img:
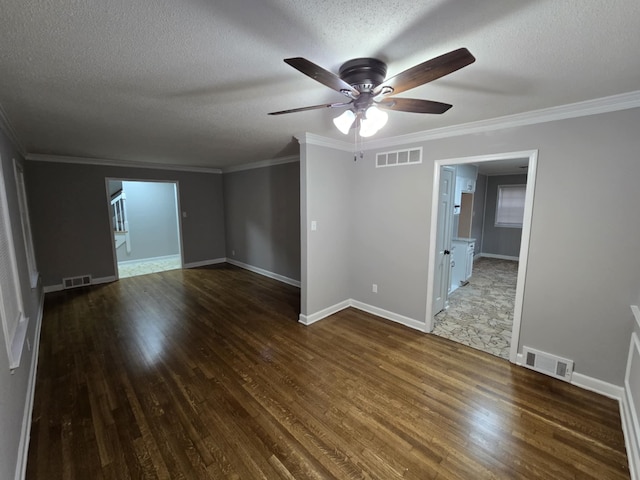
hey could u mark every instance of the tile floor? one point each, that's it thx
(480, 314)
(152, 265)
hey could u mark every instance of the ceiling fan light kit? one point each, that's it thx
(374, 119)
(363, 81)
(344, 121)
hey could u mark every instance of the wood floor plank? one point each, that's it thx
(206, 374)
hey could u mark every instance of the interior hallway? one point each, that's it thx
(480, 314)
(148, 265)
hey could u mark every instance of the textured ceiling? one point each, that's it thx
(191, 82)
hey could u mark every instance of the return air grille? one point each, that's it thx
(399, 157)
(548, 364)
(73, 282)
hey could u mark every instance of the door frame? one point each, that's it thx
(532, 155)
(176, 183)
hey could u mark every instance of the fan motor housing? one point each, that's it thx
(363, 74)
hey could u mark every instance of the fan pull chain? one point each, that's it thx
(355, 146)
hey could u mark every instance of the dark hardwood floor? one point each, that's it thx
(206, 374)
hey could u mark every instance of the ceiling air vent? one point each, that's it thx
(548, 364)
(399, 157)
(74, 282)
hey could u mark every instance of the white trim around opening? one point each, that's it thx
(532, 155)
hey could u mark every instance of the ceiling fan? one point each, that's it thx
(363, 81)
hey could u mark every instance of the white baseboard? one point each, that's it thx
(394, 317)
(99, 280)
(588, 383)
(25, 434)
(204, 263)
(266, 273)
(499, 257)
(324, 313)
(598, 386)
(630, 427)
(94, 281)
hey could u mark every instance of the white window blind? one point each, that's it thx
(14, 324)
(510, 205)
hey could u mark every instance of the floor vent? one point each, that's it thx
(73, 282)
(548, 364)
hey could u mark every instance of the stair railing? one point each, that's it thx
(120, 222)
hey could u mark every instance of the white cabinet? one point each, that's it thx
(457, 264)
(466, 176)
(468, 271)
(462, 253)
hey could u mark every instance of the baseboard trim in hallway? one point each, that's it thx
(266, 273)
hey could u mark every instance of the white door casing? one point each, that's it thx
(532, 156)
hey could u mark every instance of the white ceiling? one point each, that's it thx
(191, 82)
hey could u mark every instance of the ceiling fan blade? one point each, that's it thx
(314, 107)
(323, 76)
(414, 105)
(428, 71)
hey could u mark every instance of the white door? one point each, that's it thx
(443, 239)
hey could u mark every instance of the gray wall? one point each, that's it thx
(500, 240)
(390, 223)
(153, 220)
(262, 218)
(72, 224)
(14, 388)
(477, 224)
(326, 196)
(582, 273)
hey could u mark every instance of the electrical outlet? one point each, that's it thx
(233, 253)
(374, 288)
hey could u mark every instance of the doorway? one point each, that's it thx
(146, 226)
(494, 162)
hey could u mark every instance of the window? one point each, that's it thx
(12, 316)
(510, 205)
(26, 225)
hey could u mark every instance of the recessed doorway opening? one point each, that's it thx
(146, 226)
(478, 264)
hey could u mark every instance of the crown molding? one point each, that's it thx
(313, 139)
(37, 157)
(613, 103)
(262, 163)
(6, 127)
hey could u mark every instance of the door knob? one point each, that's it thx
(447, 252)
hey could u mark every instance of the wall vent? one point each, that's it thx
(548, 364)
(73, 282)
(399, 157)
